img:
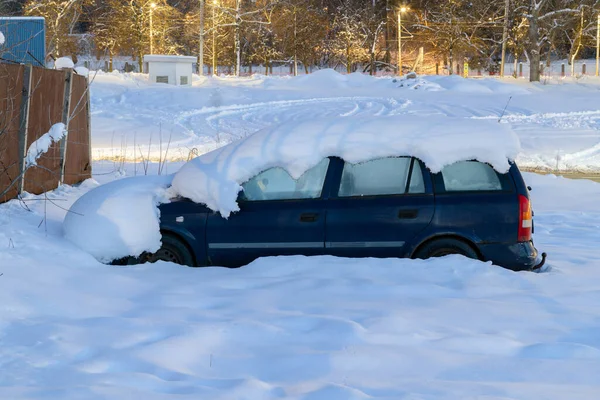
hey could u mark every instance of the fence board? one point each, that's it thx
(11, 83)
(78, 164)
(45, 110)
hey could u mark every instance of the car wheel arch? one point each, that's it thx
(432, 239)
(183, 240)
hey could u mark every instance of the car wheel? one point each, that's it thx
(172, 250)
(444, 247)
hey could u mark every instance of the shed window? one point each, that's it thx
(162, 79)
(183, 80)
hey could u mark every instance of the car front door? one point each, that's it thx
(378, 208)
(278, 216)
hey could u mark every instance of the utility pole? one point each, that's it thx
(598, 46)
(504, 37)
(400, 11)
(201, 46)
(214, 39)
(152, 7)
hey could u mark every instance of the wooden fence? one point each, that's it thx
(32, 99)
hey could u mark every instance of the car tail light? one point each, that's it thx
(525, 219)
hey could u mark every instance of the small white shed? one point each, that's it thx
(174, 70)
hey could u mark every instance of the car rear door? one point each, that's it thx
(475, 201)
(377, 208)
(278, 216)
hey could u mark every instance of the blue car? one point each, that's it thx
(387, 207)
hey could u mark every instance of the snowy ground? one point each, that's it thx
(558, 123)
(301, 328)
(308, 328)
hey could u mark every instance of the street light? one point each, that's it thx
(214, 39)
(401, 11)
(598, 47)
(152, 7)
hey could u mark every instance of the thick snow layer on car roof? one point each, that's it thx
(214, 179)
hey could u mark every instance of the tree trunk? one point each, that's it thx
(348, 60)
(201, 37)
(451, 61)
(237, 40)
(295, 44)
(533, 46)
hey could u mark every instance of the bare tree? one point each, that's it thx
(61, 17)
(242, 13)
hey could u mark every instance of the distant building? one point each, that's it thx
(173, 70)
(25, 40)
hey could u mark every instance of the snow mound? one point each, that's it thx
(63, 63)
(118, 219)
(459, 84)
(2, 40)
(325, 78)
(83, 71)
(418, 83)
(214, 179)
(41, 145)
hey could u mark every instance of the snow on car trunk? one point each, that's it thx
(214, 179)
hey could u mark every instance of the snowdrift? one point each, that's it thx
(119, 218)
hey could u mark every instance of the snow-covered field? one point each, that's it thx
(308, 328)
(558, 123)
(302, 328)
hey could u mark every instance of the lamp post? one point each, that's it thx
(400, 12)
(214, 39)
(152, 7)
(504, 37)
(598, 47)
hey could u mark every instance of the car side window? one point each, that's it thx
(383, 176)
(466, 176)
(277, 184)
(417, 184)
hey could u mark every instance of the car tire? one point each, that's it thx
(172, 250)
(444, 247)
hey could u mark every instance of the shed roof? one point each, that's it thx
(169, 59)
(22, 18)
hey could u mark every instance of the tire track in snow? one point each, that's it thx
(242, 120)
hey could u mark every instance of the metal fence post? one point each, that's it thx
(521, 70)
(24, 123)
(65, 120)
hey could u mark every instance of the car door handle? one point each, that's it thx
(408, 214)
(309, 217)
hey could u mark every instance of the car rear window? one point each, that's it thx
(468, 176)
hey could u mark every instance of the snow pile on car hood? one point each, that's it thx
(214, 179)
(119, 218)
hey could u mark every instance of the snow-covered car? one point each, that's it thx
(402, 186)
(386, 207)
